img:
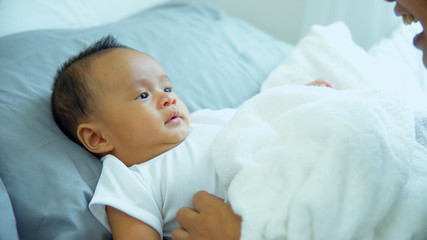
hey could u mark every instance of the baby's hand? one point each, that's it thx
(320, 83)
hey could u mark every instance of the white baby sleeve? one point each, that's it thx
(120, 188)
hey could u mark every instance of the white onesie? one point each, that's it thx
(155, 190)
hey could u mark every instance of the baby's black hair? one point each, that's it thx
(71, 92)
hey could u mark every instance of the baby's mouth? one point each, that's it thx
(174, 116)
(409, 19)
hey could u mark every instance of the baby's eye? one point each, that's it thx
(143, 95)
(168, 89)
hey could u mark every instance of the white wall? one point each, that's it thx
(289, 20)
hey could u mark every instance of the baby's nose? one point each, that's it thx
(167, 100)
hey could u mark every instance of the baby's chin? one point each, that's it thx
(181, 135)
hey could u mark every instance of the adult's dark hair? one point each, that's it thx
(71, 91)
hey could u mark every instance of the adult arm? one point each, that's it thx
(211, 219)
(126, 227)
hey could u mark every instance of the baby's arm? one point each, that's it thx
(126, 227)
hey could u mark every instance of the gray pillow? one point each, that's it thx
(7, 218)
(214, 61)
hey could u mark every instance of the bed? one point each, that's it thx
(215, 61)
(46, 180)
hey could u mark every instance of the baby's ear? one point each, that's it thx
(90, 135)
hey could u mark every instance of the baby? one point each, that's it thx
(119, 104)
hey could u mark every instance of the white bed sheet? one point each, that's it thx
(398, 51)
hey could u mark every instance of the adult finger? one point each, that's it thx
(180, 234)
(186, 217)
(202, 199)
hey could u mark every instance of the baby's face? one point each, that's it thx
(136, 106)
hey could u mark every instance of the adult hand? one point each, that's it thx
(211, 218)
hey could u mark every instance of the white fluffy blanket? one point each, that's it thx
(324, 164)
